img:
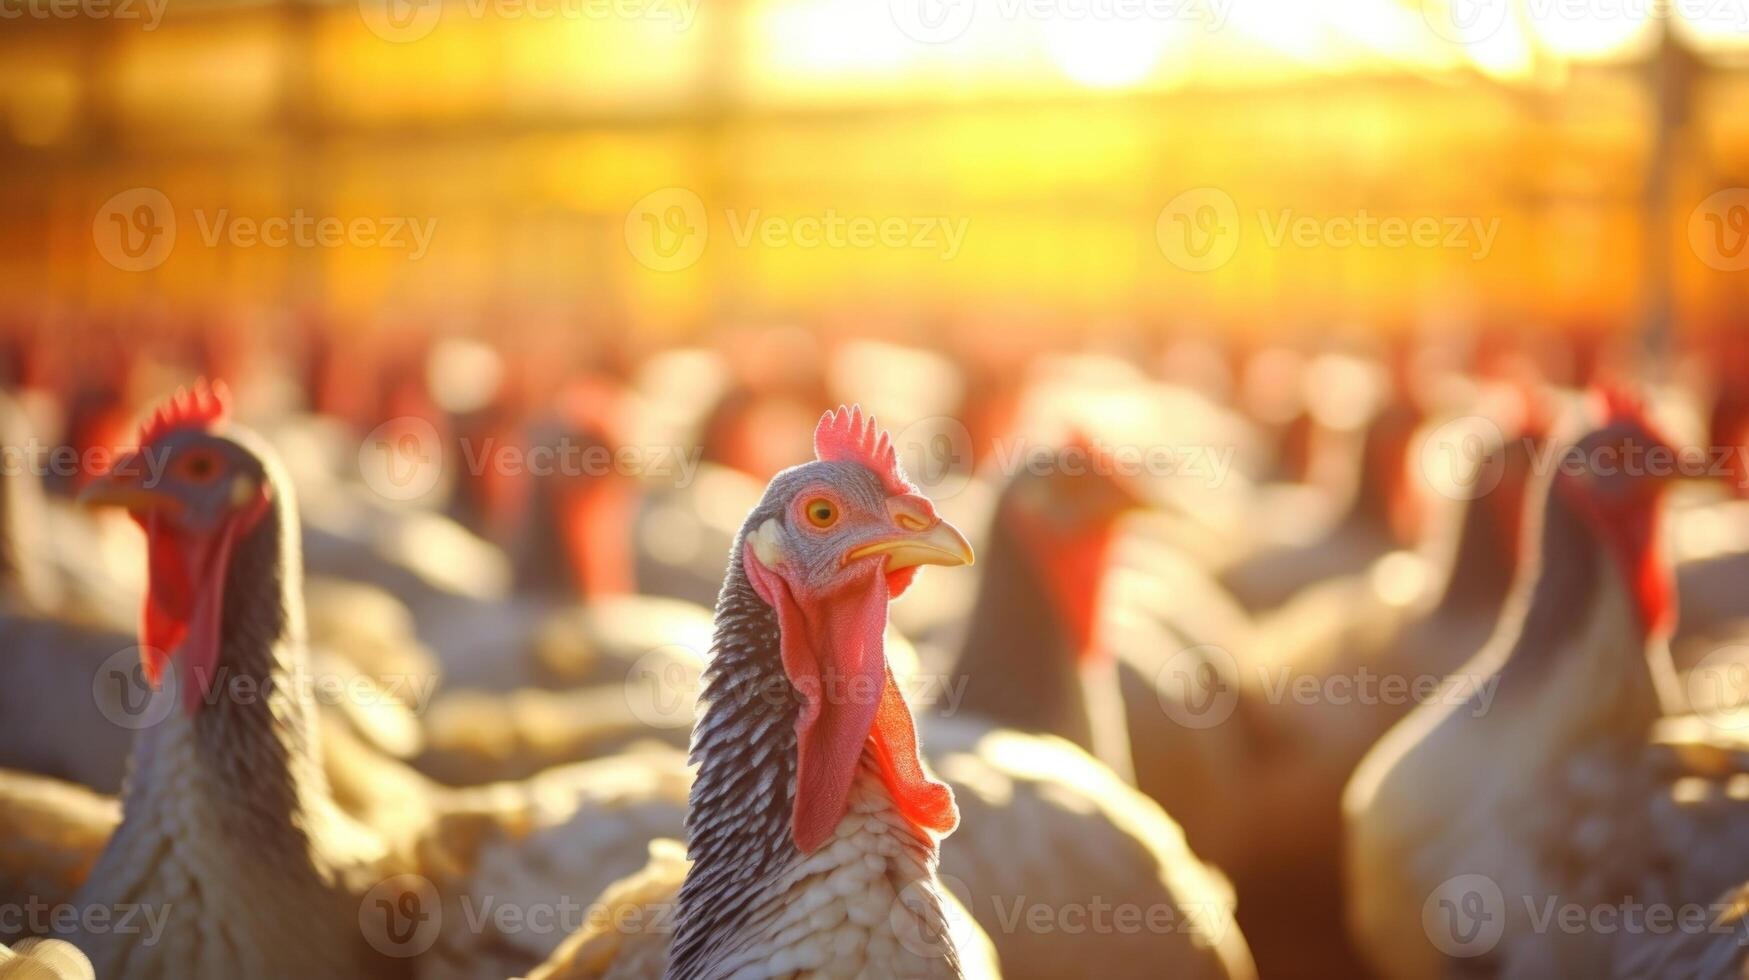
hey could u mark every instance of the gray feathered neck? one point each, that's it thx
(744, 744)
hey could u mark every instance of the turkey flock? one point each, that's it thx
(422, 654)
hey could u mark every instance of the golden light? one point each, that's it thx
(1713, 26)
(1504, 53)
(1109, 52)
(1611, 31)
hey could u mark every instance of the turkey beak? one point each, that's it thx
(124, 486)
(929, 541)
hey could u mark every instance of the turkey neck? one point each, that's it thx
(1479, 571)
(1579, 653)
(1370, 506)
(745, 865)
(242, 763)
(738, 813)
(1016, 663)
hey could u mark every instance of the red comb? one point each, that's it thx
(847, 434)
(198, 408)
(1618, 403)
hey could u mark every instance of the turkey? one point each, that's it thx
(813, 827)
(1570, 788)
(1377, 512)
(225, 792)
(233, 786)
(1046, 824)
(1228, 740)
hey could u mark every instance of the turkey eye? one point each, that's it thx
(198, 466)
(821, 512)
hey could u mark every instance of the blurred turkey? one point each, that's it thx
(1575, 790)
(78, 685)
(228, 789)
(1250, 746)
(1362, 429)
(1047, 824)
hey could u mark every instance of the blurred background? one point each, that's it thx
(1281, 233)
(527, 131)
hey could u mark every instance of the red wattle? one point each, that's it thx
(184, 603)
(1072, 565)
(1638, 547)
(833, 651)
(596, 519)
